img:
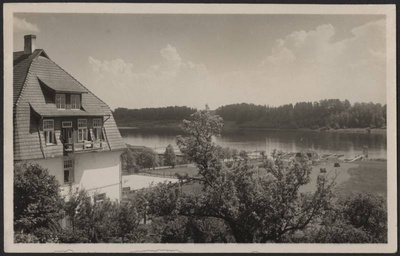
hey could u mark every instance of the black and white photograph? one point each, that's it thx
(199, 128)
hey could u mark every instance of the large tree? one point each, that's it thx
(37, 201)
(257, 205)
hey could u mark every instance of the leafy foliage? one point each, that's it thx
(369, 213)
(195, 230)
(170, 157)
(147, 158)
(360, 218)
(105, 222)
(133, 160)
(37, 202)
(128, 161)
(198, 147)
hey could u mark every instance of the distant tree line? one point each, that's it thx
(159, 114)
(323, 114)
(330, 113)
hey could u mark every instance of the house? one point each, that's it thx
(62, 126)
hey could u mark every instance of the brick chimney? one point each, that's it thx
(29, 44)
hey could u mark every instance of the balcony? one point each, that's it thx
(83, 146)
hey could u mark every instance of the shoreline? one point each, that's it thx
(127, 128)
(347, 130)
(230, 129)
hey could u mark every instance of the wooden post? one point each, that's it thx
(365, 151)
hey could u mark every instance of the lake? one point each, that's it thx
(349, 144)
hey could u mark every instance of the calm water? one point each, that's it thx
(349, 144)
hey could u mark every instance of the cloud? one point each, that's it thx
(21, 25)
(171, 81)
(302, 66)
(308, 65)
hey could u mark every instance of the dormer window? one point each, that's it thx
(75, 101)
(60, 101)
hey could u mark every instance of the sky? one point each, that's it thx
(158, 60)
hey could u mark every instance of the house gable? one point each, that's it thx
(33, 103)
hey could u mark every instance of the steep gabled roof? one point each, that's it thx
(57, 79)
(21, 64)
(30, 102)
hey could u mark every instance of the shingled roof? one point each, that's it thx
(32, 70)
(21, 63)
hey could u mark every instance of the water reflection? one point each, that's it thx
(349, 144)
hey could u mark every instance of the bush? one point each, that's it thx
(135, 159)
(147, 158)
(369, 213)
(360, 218)
(105, 222)
(20, 237)
(37, 202)
(128, 161)
(170, 157)
(174, 231)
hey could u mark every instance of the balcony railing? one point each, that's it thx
(83, 146)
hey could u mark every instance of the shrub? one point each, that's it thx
(37, 201)
(170, 157)
(360, 218)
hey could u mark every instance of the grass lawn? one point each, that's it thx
(368, 177)
(341, 174)
(361, 176)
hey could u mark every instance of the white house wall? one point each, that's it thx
(96, 172)
(99, 173)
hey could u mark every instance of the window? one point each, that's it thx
(98, 198)
(60, 101)
(67, 124)
(75, 101)
(97, 128)
(66, 132)
(48, 129)
(82, 129)
(68, 171)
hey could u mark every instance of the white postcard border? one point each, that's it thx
(388, 10)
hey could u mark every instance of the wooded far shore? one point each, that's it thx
(331, 115)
